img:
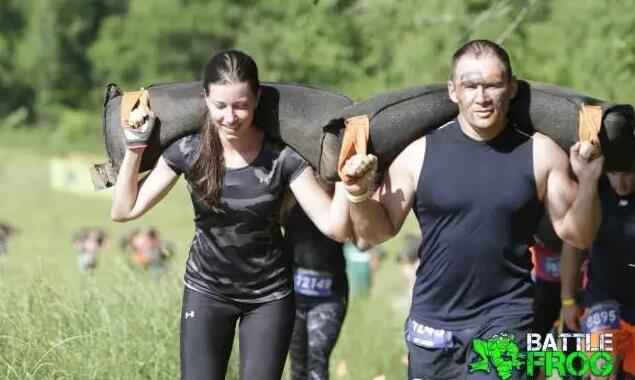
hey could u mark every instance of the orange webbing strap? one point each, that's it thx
(129, 100)
(355, 141)
(589, 123)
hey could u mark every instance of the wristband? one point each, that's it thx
(358, 198)
(136, 147)
(569, 301)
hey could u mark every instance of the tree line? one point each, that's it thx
(56, 56)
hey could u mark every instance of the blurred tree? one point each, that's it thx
(299, 41)
(406, 44)
(57, 55)
(50, 57)
(586, 45)
(15, 93)
(162, 41)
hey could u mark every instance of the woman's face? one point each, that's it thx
(231, 108)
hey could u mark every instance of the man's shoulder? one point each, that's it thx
(544, 141)
(413, 153)
(548, 155)
(546, 147)
(409, 162)
(417, 145)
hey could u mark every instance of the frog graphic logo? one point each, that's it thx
(501, 352)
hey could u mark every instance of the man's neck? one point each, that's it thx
(481, 134)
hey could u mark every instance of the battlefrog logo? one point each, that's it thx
(501, 351)
(503, 355)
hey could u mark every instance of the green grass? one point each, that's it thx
(57, 322)
(45, 141)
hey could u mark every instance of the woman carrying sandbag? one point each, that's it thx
(237, 269)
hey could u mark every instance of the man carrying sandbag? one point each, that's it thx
(478, 187)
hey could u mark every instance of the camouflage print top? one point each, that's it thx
(237, 252)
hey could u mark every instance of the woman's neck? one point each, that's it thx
(244, 150)
(250, 141)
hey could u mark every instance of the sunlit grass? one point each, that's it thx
(57, 322)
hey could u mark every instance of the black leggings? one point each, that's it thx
(207, 334)
(546, 305)
(317, 326)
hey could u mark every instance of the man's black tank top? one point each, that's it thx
(477, 206)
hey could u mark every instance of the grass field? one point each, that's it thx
(57, 322)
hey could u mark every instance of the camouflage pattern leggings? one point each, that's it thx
(317, 326)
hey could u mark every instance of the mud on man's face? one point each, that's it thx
(482, 89)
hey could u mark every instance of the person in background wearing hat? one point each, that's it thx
(321, 292)
(609, 296)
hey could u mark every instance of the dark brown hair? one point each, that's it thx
(225, 67)
(478, 48)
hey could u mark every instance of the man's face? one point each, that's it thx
(481, 90)
(623, 183)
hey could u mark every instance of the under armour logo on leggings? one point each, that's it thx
(189, 314)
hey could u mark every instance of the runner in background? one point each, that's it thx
(146, 248)
(87, 243)
(608, 300)
(321, 294)
(6, 230)
(408, 259)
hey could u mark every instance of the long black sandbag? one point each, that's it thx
(398, 118)
(292, 113)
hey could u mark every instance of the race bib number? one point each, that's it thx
(552, 266)
(426, 336)
(602, 316)
(312, 283)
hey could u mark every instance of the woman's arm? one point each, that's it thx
(132, 198)
(330, 216)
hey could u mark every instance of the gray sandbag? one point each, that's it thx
(398, 118)
(553, 111)
(294, 114)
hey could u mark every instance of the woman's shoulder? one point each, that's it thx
(279, 150)
(189, 140)
(181, 153)
(185, 145)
